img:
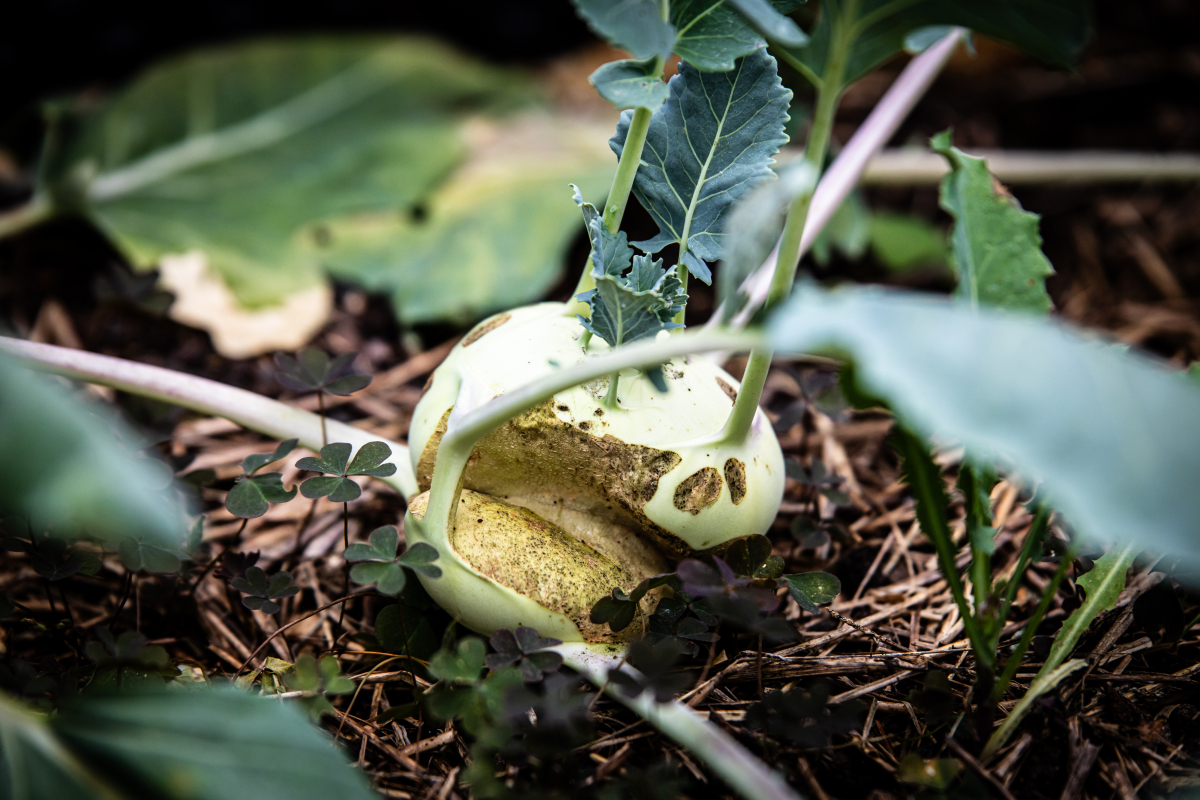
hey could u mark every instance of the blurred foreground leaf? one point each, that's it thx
(1111, 433)
(65, 470)
(203, 744)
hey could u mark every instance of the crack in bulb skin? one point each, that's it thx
(574, 498)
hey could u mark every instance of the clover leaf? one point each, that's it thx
(521, 647)
(127, 650)
(51, 558)
(380, 565)
(813, 589)
(317, 679)
(138, 554)
(655, 663)
(250, 496)
(311, 370)
(261, 592)
(461, 665)
(619, 608)
(335, 483)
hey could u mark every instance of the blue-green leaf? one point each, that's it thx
(636, 306)
(712, 35)
(770, 23)
(1111, 434)
(634, 25)
(711, 143)
(67, 471)
(630, 84)
(997, 251)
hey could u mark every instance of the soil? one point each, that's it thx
(1127, 261)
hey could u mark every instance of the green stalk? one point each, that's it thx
(925, 480)
(828, 93)
(1033, 543)
(618, 198)
(1039, 613)
(37, 210)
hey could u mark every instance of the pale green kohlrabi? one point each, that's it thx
(574, 498)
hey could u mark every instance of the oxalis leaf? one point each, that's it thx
(708, 145)
(1052, 30)
(626, 307)
(997, 252)
(1110, 433)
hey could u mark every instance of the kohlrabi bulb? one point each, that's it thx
(574, 498)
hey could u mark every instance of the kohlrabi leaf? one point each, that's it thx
(205, 744)
(1102, 584)
(634, 25)
(1110, 434)
(904, 242)
(770, 23)
(492, 236)
(634, 306)
(611, 253)
(708, 145)
(630, 84)
(67, 471)
(995, 245)
(712, 35)
(231, 149)
(1052, 30)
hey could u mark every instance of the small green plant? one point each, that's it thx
(379, 562)
(311, 370)
(261, 592)
(253, 493)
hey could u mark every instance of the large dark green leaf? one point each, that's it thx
(997, 251)
(1110, 433)
(231, 149)
(708, 145)
(1052, 30)
(202, 744)
(65, 470)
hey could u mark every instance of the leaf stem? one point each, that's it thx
(271, 417)
(38, 209)
(618, 198)
(1039, 613)
(610, 399)
(737, 427)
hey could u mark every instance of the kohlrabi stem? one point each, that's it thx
(737, 427)
(271, 417)
(610, 399)
(38, 209)
(748, 776)
(618, 198)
